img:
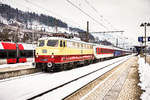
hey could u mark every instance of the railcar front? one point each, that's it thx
(7, 53)
(11, 52)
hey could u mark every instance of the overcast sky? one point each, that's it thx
(108, 15)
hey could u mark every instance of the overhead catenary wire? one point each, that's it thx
(101, 16)
(87, 14)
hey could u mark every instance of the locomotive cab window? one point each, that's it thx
(53, 43)
(41, 43)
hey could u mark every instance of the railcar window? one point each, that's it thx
(22, 53)
(3, 54)
(29, 53)
(12, 54)
(26, 53)
(53, 43)
(41, 43)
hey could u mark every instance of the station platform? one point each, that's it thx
(121, 83)
(13, 70)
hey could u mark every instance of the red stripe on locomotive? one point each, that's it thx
(63, 58)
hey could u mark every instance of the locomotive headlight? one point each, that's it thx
(37, 55)
(52, 55)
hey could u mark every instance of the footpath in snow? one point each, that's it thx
(144, 73)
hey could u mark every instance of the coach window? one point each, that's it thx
(3, 54)
(53, 43)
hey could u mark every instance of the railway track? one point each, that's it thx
(48, 92)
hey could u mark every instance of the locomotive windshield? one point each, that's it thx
(53, 43)
(41, 43)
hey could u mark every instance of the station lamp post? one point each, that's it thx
(144, 25)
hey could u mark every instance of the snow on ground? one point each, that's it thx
(144, 73)
(15, 65)
(27, 87)
(70, 88)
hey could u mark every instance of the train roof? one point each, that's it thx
(7, 45)
(94, 44)
(12, 46)
(27, 46)
(60, 38)
(104, 46)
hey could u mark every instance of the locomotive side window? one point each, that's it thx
(61, 43)
(53, 43)
(64, 44)
(41, 43)
(3, 54)
(70, 44)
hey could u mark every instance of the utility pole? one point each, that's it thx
(87, 32)
(16, 40)
(144, 25)
(56, 26)
(117, 42)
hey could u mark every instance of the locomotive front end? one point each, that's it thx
(46, 53)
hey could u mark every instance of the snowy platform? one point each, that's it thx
(12, 70)
(30, 85)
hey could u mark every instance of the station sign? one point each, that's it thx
(140, 39)
(148, 38)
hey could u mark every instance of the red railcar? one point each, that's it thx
(15, 52)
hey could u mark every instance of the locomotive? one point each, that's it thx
(57, 53)
(11, 52)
